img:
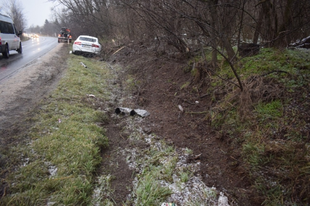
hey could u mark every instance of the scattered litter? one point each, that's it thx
(223, 200)
(140, 112)
(197, 102)
(131, 112)
(168, 204)
(181, 108)
(59, 121)
(70, 52)
(122, 110)
(52, 170)
(91, 95)
(83, 64)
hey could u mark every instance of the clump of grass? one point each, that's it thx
(149, 191)
(66, 135)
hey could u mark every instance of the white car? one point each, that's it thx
(86, 44)
(9, 37)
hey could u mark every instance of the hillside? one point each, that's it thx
(253, 144)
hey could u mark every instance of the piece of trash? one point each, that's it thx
(91, 95)
(83, 64)
(70, 52)
(223, 200)
(181, 108)
(197, 102)
(59, 120)
(140, 112)
(168, 204)
(122, 110)
(131, 112)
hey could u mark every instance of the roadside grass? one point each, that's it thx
(268, 122)
(58, 164)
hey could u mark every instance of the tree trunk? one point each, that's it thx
(258, 26)
(213, 12)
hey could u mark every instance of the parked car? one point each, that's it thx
(86, 45)
(9, 37)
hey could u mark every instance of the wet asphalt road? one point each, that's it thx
(33, 49)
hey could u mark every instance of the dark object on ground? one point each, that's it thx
(64, 35)
(248, 49)
(131, 112)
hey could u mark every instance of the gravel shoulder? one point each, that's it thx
(21, 92)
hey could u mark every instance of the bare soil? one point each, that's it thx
(161, 90)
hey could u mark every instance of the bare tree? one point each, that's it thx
(16, 13)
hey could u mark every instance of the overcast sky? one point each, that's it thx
(36, 11)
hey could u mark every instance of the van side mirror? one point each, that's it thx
(19, 33)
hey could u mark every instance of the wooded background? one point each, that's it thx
(186, 25)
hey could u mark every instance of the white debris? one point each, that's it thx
(223, 200)
(83, 64)
(141, 112)
(181, 108)
(52, 170)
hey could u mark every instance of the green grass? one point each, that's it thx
(272, 134)
(66, 137)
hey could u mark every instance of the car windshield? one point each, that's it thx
(87, 39)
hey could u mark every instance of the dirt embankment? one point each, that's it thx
(178, 114)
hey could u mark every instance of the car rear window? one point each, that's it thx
(87, 39)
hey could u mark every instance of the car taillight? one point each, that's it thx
(77, 42)
(95, 45)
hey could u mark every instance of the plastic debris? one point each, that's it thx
(140, 112)
(122, 110)
(168, 204)
(181, 108)
(59, 120)
(223, 200)
(83, 64)
(91, 95)
(131, 112)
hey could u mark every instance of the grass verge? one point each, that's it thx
(58, 164)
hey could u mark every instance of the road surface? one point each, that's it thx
(33, 49)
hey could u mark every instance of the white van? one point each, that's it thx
(9, 38)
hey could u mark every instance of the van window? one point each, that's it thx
(3, 27)
(10, 28)
(6, 27)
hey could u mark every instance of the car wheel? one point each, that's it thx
(20, 50)
(6, 53)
